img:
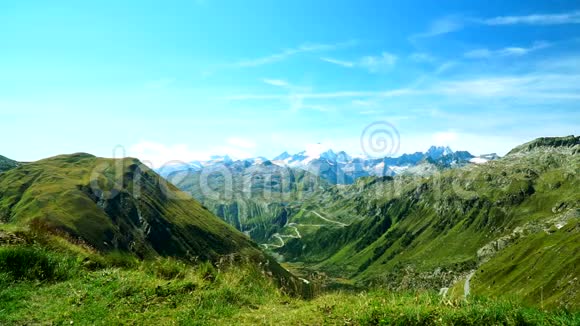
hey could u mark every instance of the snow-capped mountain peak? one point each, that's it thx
(329, 155)
(342, 168)
(436, 152)
(343, 157)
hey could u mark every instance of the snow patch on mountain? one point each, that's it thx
(342, 168)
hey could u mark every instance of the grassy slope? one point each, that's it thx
(423, 233)
(92, 205)
(113, 204)
(167, 291)
(541, 269)
(568, 141)
(7, 164)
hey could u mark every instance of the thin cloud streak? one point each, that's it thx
(536, 19)
(451, 24)
(374, 64)
(441, 26)
(506, 52)
(532, 86)
(343, 63)
(422, 57)
(304, 48)
(276, 82)
(326, 95)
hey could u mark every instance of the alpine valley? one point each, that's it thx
(260, 196)
(439, 220)
(439, 237)
(205, 162)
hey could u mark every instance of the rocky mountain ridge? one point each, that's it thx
(340, 167)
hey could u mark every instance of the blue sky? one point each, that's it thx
(182, 80)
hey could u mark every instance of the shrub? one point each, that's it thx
(207, 271)
(167, 268)
(31, 263)
(121, 260)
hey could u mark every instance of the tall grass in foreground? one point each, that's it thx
(44, 287)
(34, 263)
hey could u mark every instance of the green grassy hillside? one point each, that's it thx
(113, 205)
(552, 142)
(430, 232)
(7, 164)
(58, 288)
(257, 200)
(104, 206)
(542, 268)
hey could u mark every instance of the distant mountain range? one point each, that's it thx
(257, 195)
(342, 168)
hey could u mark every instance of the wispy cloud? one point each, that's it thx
(374, 64)
(285, 54)
(445, 66)
(343, 63)
(506, 52)
(323, 95)
(422, 57)
(276, 82)
(442, 26)
(536, 19)
(379, 63)
(444, 138)
(451, 24)
(529, 86)
(295, 96)
(363, 103)
(157, 155)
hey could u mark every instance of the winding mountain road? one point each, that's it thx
(281, 237)
(331, 221)
(298, 236)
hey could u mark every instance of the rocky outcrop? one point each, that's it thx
(571, 141)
